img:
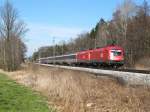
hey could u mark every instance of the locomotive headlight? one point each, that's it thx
(111, 55)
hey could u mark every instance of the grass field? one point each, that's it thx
(74, 91)
(17, 98)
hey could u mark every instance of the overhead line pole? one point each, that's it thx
(39, 56)
(54, 50)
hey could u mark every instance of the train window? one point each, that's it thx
(70, 57)
(65, 57)
(116, 52)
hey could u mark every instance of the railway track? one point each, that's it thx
(125, 76)
(118, 69)
(131, 70)
(111, 69)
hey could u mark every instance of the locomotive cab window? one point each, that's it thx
(116, 52)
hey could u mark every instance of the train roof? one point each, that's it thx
(114, 47)
(101, 48)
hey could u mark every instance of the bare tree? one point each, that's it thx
(124, 12)
(11, 30)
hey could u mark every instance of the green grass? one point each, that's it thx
(17, 98)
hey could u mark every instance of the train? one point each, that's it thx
(108, 56)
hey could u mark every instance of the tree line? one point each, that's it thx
(129, 28)
(12, 30)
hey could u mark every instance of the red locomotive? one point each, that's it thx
(106, 56)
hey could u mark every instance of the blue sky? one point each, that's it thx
(62, 19)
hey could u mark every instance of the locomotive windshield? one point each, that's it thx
(116, 52)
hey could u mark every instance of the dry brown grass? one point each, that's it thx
(143, 63)
(73, 91)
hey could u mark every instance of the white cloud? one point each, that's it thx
(56, 31)
(41, 35)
